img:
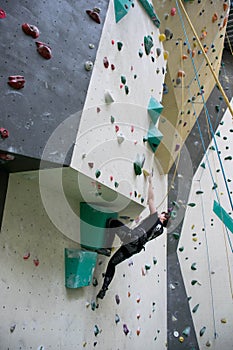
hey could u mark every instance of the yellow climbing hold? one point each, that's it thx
(165, 55)
(181, 339)
(162, 37)
(223, 320)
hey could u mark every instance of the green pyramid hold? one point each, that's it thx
(121, 8)
(154, 109)
(154, 137)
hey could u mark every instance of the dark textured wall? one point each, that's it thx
(54, 88)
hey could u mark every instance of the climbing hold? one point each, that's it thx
(138, 331)
(117, 128)
(154, 261)
(147, 267)
(119, 45)
(148, 44)
(138, 164)
(150, 11)
(44, 50)
(176, 235)
(184, 57)
(26, 256)
(4, 133)
(117, 298)
(181, 249)
(94, 14)
(126, 89)
(162, 37)
(145, 172)
(168, 33)
(154, 137)
(177, 147)
(30, 30)
(93, 305)
(195, 308)
(214, 17)
(223, 320)
(193, 282)
(191, 204)
(36, 262)
(228, 158)
(138, 299)
(113, 66)
(173, 11)
(123, 79)
(208, 343)
(97, 173)
(12, 328)
(212, 148)
(181, 74)
(117, 318)
(158, 51)
(96, 330)
(181, 339)
(203, 165)
(202, 331)
(225, 6)
(186, 331)
(16, 81)
(154, 109)
(214, 186)
(91, 164)
(140, 52)
(105, 62)
(89, 65)
(108, 97)
(2, 14)
(125, 329)
(116, 184)
(194, 266)
(112, 119)
(165, 55)
(91, 46)
(199, 192)
(120, 138)
(95, 282)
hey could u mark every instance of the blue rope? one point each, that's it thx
(205, 108)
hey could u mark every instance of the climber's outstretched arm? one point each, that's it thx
(151, 200)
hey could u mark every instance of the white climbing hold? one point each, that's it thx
(120, 138)
(108, 97)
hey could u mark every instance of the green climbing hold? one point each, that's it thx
(126, 89)
(173, 214)
(142, 200)
(193, 282)
(154, 109)
(191, 205)
(181, 249)
(121, 8)
(212, 148)
(203, 165)
(138, 164)
(97, 173)
(154, 260)
(96, 330)
(147, 267)
(116, 184)
(176, 204)
(176, 235)
(150, 11)
(218, 133)
(119, 45)
(214, 186)
(186, 331)
(123, 79)
(228, 158)
(148, 43)
(217, 108)
(112, 119)
(194, 266)
(195, 308)
(202, 331)
(199, 192)
(154, 137)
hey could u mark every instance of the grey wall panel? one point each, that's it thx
(54, 88)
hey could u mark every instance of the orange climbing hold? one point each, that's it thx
(181, 74)
(225, 6)
(214, 17)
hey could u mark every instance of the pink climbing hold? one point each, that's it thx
(2, 13)
(132, 128)
(117, 128)
(4, 133)
(111, 178)
(173, 11)
(44, 50)
(36, 262)
(31, 30)
(106, 63)
(26, 256)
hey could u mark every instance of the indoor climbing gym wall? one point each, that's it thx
(193, 34)
(206, 245)
(105, 131)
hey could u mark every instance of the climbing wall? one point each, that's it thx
(39, 312)
(129, 70)
(189, 81)
(206, 245)
(44, 50)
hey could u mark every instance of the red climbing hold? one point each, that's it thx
(4, 133)
(44, 50)
(113, 67)
(36, 262)
(26, 256)
(31, 30)
(16, 81)
(106, 63)
(173, 11)
(94, 14)
(2, 13)
(117, 128)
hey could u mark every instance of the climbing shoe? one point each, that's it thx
(101, 293)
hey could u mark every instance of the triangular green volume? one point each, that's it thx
(154, 109)
(154, 137)
(121, 8)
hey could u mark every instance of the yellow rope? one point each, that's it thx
(207, 59)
